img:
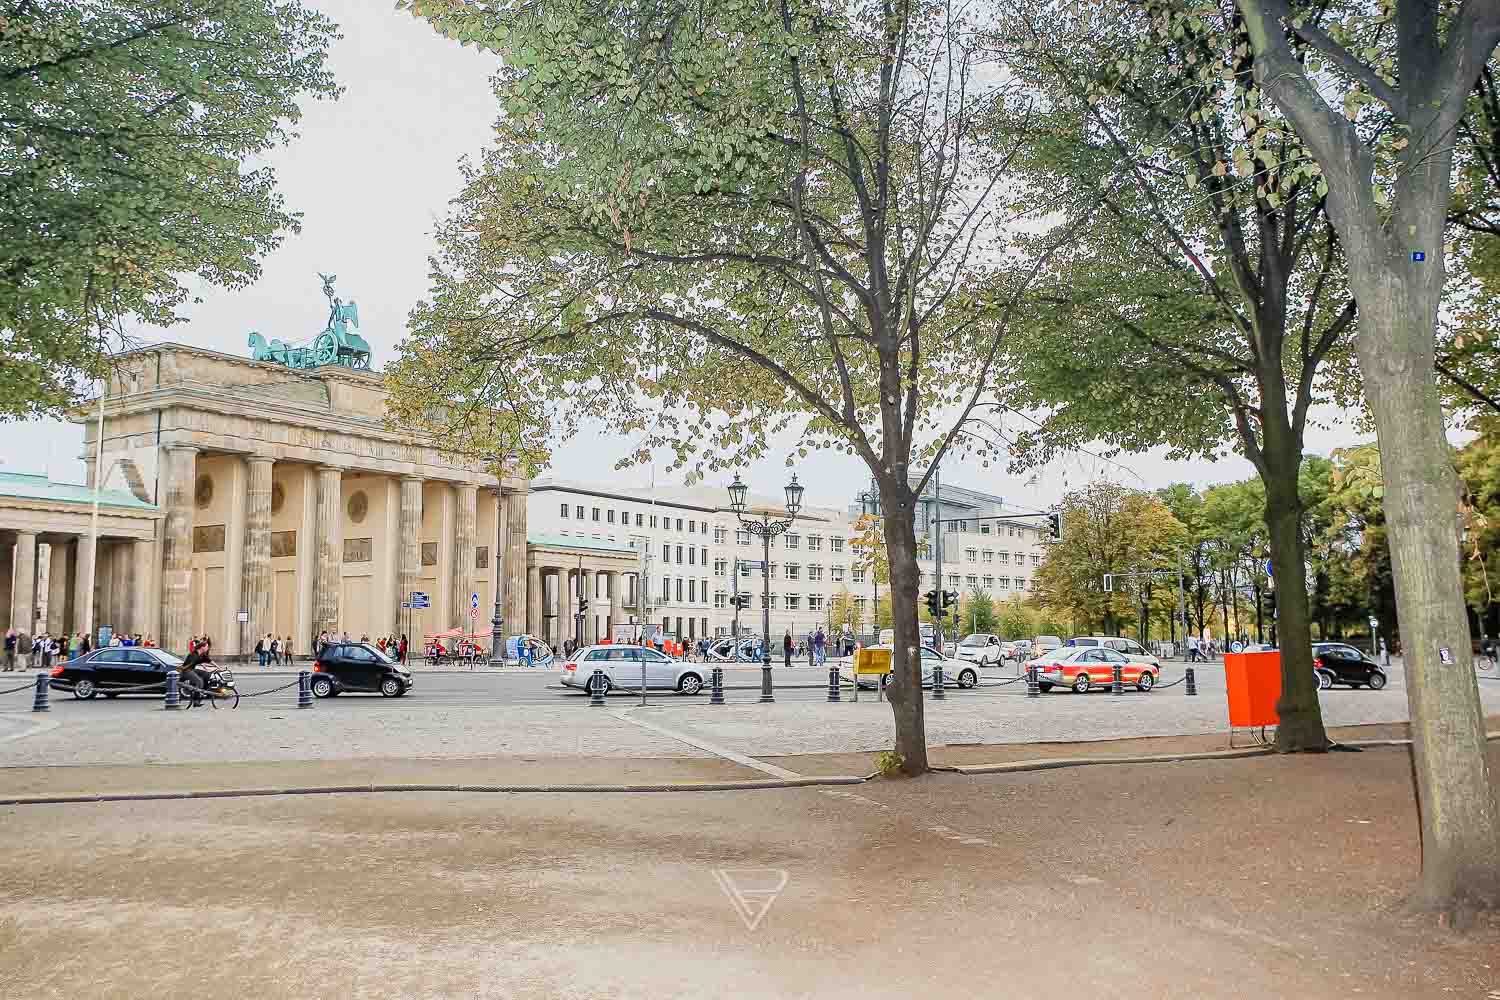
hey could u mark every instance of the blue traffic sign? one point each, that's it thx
(1268, 568)
(474, 601)
(1418, 256)
(419, 595)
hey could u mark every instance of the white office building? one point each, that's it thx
(688, 543)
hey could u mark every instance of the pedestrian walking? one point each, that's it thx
(402, 647)
(786, 648)
(820, 646)
(262, 654)
(11, 640)
(24, 648)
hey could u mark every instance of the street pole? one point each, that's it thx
(937, 536)
(766, 695)
(497, 623)
(88, 609)
(1181, 599)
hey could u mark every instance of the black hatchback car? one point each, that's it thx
(105, 671)
(1340, 663)
(358, 666)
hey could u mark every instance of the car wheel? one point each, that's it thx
(1377, 681)
(390, 687)
(690, 684)
(322, 687)
(1325, 680)
(967, 679)
(1044, 687)
(84, 689)
(1082, 683)
(1147, 681)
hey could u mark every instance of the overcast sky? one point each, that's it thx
(373, 172)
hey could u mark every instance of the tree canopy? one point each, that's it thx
(125, 130)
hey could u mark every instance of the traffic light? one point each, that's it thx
(932, 603)
(583, 606)
(741, 601)
(1054, 525)
(950, 603)
(1271, 603)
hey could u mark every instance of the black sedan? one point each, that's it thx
(358, 666)
(1340, 663)
(105, 671)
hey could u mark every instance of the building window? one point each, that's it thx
(595, 512)
(1036, 560)
(679, 590)
(793, 602)
(1005, 559)
(666, 552)
(1020, 583)
(815, 543)
(721, 567)
(989, 583)
(984, 528)
(692, 556)
(1005, 583)
(858, 574)
(565, 512)
(836, 544)
(609, 516)
(971, 555)
(836, 574)
(742, 538)
(793, 541)
(1011, 530)
(972, 581)
(679, 524)
(703, 555)
(666, 589)
(744, 569)
(638, 520)
(679, 555)
(720, 534)
(653, 520)
(578, 513)
(859, 606)
(692, 591)
(692, 527)
(814, 574)
(988, 555)
(774, 602)
(793, 571)
(953, 580)
(721, 600)
(814, 602)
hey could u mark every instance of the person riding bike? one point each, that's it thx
(192, 673)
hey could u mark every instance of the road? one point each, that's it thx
(480, 689)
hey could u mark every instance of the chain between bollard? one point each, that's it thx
(1163, 687)
(28, 686)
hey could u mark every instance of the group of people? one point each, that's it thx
(272, 649)
(1201, 650)
(816, 647)
(393, 646)
(45, 649)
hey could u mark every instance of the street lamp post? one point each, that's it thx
(497, 559)
(766, 528)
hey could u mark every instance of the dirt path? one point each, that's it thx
(1257, 878)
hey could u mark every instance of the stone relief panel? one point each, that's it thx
(283, 543)
(208, 537)
(429, 553)
(278, 498)
(482, 557)
(358, 507)
(358, 550)
(203, 492)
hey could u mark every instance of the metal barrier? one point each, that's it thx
(716, 689)
(43, 689)
(937, 683)
(596, 688)
(172, 701)
(1033, 689)
(304, 689)
(833, 685)
(1117, 682)
(1192, 683)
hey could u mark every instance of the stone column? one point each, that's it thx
(564, 605)
(328, 541)
(23, 592)
(127, 576)
(498, 593)
(7, 577)
(255, 596)
(180, 466)
(411, 544)
(138, 601)
(229, 634)
(465, 526)
(611, 594)
(590, 617)
(533, 623)
(57, 587)
(515, 555)
(83, 586)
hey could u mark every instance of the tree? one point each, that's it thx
(1214, 328)
(976, 612)
(1399, 75)
(1107, 530)
(842, 613)
(124, 129)
(755, 216)
(1016, 619)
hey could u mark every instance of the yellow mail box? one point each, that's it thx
(872, 661)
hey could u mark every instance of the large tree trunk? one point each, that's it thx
(1301, 725)
(1460, 815)
(905, 690)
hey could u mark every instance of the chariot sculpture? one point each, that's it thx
(338, 344)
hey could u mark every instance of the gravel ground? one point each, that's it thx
(1256, 878)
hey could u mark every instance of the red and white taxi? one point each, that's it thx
(1085, 668)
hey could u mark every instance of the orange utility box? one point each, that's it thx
(1254, 683)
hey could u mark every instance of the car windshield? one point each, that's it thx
(166, 657)
(381, 654)
(974, 640)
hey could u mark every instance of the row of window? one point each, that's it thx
(1003, 558)
(792, 540)
(789, 602)
(608, 516)
(694, 588)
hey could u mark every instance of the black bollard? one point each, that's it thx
(1117, 683)
(43, 692)
(596, 689)
(172, 702)
(1191, 683)
(1033, 690)
(304, 689)
(716, 693)
(833, 684)
(937, 683)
